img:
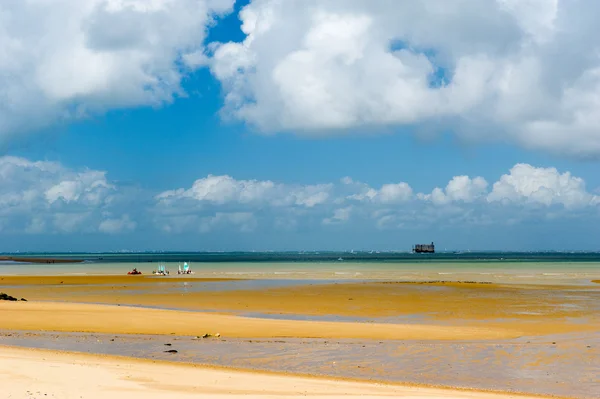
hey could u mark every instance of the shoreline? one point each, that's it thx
(420, 390)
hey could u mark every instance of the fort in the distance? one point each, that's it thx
(424, 248)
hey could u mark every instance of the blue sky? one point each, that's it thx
(310, 129)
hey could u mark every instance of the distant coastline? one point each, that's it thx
(38, 259)
(304, 257)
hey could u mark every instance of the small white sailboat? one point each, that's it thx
(162, 271)
(185, 270)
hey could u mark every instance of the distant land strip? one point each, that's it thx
(39, 260)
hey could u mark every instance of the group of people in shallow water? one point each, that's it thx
(162, 270)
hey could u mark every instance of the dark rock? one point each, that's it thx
(24, 300)
(171, 351)
(6, 297)
(167, 344)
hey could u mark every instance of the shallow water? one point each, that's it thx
(578, 273)
(565, 365)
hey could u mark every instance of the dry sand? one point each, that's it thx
(44, 316)
(29, 373)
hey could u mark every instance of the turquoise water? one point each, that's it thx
(315, 256)
(533, 267)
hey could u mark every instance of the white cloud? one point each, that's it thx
(88, 186)
(41, 197)
(48, 198)
(248, 205)
(522, 70)
(65, 59)
(216, 201)
(388, 193)
(546, 186)
(221, 190)
(460, 188)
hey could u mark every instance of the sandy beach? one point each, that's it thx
(501, 336)
(27, 373)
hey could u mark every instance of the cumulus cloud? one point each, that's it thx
(44, 197)
(545, 186)
(222, 190)
(215, 201)
(526, 71)
(460, 188)
(245, 205)
(67, 59)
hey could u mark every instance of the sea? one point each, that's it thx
(513, 267)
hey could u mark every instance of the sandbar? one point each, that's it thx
(43, 373)
(73, 317)
(39, 259)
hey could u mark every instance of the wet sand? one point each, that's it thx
(48, 316)
(564, 365)
(36, 373)
(505, 309)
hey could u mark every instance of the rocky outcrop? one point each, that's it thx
(6, 297)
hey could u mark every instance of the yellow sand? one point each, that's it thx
(127, 320)
(49, 374)
(528, 309)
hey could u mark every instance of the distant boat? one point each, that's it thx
(162, 271)
(185, 270)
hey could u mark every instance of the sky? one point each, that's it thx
(193, 125)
